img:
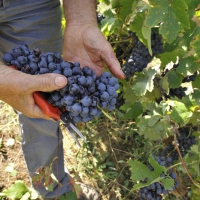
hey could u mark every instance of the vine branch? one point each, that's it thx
(175, 130)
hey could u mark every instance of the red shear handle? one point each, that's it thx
(48, 109)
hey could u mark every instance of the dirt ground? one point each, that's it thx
(81, 163)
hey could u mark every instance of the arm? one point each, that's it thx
(83, 40)
(80, 12)
(16, 89)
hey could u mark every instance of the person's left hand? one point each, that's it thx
(88, 46)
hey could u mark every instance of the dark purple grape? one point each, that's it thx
(67, 72)
(52, 66)
(7, 58)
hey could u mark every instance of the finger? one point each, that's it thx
(111, 61)
(36, 112)
(44, 83)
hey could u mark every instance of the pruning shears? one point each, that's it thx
(57, 115)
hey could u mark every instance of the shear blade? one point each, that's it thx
(74, 137)
(77, 131)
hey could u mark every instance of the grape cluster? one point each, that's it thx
(84, 93)
(123, 50)
(178, 92)
(166, 157)
(100, 17)
(190, 78)
(140, 57)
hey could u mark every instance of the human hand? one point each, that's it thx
(86, 44)
(16, 89)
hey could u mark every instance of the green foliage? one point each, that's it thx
(17, 190)
(156, 120)
(140, 172)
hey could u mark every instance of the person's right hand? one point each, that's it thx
(16, 89)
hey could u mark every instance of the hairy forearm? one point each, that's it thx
(80, 11)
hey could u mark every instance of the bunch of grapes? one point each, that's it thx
(166, 157)
(124, 49)
(178, 92)
(190, 78)
(100, 17)
(140, 57)
(84, 94)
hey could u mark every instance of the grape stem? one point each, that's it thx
(160, 89)
(175, 130)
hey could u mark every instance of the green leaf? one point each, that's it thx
(136, 26)
(71, 195)
(168, 57)
(188, 66)
(132, 110)
(106, 1)
(115, 3)
(192, 4)
(17, 190)
(196, 46)
(152, 121)
(156, 12)
(154, 132)
(26, 196)
(180, 113)
(144, 82)
(140, 172)
(180, 8)
(146, 32)
(165, 84)
(170, 27)
(126, 8)
(195, 83)
(174, 79)
(196, 96)
(129, 94)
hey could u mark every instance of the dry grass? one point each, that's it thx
(85, 164)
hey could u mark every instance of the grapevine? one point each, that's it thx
(161, 91)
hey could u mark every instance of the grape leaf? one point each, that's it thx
(180, 8)
(156, 12)
(174, 79)
(196, 45)
(168, 57)
(146, 32)
(71, 196)
(181, 114)
(139, 172)
(196, 32)
(144, 82)
(165, 84)
(195, 83)
(192, 4)
(107, 22)
(126, 8)
(188, 66)
(129, 94)
(196, 96)
(136, 26)
(132, 110)
(115, 3)
(106, 1)
(152, 127)
(170, 26)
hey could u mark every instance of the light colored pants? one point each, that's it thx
(37, 24)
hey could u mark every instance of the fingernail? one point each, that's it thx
(60, 81)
